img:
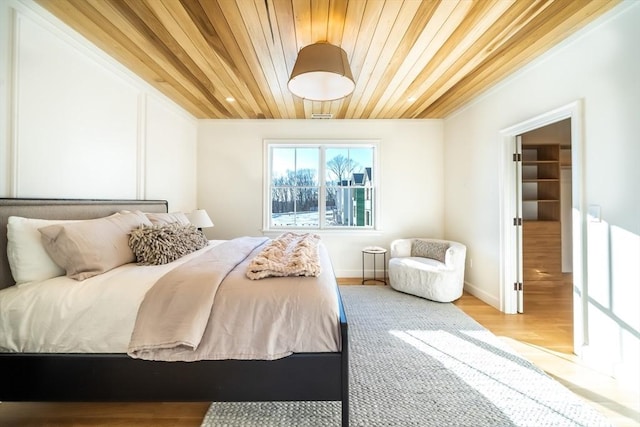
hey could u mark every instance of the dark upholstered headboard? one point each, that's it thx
(62, 209)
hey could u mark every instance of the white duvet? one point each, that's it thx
(62, 315)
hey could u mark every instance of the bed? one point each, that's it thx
(117, 377)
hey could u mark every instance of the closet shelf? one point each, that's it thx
(541, 225)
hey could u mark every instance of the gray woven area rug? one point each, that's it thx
(419, 363)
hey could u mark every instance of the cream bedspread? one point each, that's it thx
(62, 315)
(97, 315)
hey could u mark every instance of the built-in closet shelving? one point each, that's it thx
(541, 182)
(541, 212)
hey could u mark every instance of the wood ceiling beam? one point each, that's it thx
(336, 21)
(206, 42)
(319, 20)
(357, 52)
(177, 20)
(286, 25)
(145, 22)
(225, 14)
(390, 56)
(442, 52)
(443, 22)
(467, 47)
(259, 39)
(562, 19)
(217, 30)
(383, 35)
(380, 96)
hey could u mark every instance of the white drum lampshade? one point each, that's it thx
(200, 219)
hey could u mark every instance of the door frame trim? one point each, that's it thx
(508, 246)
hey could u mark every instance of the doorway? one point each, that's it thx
(544, 165)
(545, 200)
(540, 204)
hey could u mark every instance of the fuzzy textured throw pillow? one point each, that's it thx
(429, 249)
(161, 244)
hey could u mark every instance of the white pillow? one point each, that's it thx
(168, 218)
(163, 218)
(28, 260)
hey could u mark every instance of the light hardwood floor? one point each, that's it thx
(543, 335)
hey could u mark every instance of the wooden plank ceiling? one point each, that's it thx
(409, 58)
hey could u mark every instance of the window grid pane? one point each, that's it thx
(295, 207)
(347, 187)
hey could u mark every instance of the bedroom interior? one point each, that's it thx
(153, 122)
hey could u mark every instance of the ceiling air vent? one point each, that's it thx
(321, 115)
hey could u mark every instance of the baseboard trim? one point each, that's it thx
(482, 295)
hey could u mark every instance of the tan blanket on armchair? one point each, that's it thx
(289, 254)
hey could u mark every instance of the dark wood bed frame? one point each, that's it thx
(34, 377)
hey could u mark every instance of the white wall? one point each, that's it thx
(599, 66)
(230, 177)
(76, 124)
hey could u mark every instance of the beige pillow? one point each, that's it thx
(429, 249)
(88, 248)
(168, 218)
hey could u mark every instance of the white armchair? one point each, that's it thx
(428, 268)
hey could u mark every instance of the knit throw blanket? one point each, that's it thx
(289, 254)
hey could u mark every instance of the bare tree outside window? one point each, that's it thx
(342, 167)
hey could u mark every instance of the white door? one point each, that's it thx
(517, 223)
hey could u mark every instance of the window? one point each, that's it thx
(320, 185)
